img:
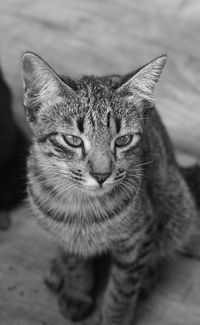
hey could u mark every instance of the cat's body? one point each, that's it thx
(86, 223)
(103, 180)
(13, 152)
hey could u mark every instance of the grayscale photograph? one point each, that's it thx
(99, 162)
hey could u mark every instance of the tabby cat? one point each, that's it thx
(103, 181)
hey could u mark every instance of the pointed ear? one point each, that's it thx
(41, 83)
(141, 84)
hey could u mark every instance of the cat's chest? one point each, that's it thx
(85, 240)
(84, 230)
(86, 226)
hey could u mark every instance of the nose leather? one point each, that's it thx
(101, 178)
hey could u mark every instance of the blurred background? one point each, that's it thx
(99, 37)
(96, 37)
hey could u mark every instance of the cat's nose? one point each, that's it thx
(101, 178)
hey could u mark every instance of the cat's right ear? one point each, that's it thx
(41, 84)
(141, 84)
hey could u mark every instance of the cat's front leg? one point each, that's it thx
(127, 274)
(121, 296)
(119, 301)
(72, 277)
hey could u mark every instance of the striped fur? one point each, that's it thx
(141, 213)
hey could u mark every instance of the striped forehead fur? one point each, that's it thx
(98, 102)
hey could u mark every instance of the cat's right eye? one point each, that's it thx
(124, 140)
(73, 141)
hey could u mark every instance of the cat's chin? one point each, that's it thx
(97, 189)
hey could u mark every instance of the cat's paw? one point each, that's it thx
(75, 303)
(75, 306)
(55, 277)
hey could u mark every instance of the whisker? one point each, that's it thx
(145, 163)
(125, 189)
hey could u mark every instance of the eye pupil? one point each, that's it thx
(73, 140)
(123, 141)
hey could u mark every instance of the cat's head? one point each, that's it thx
(89, 129)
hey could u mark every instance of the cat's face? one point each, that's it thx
(89, 131)
(96, 148)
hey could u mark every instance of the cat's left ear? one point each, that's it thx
(41, 83)
(141, 84)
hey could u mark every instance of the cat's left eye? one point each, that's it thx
(73, 140)
(124, 140)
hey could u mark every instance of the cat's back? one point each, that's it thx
(173, 205)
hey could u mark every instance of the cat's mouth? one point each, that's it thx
(97, 189)
(97, 184)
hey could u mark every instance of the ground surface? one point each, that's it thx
(101, 37)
